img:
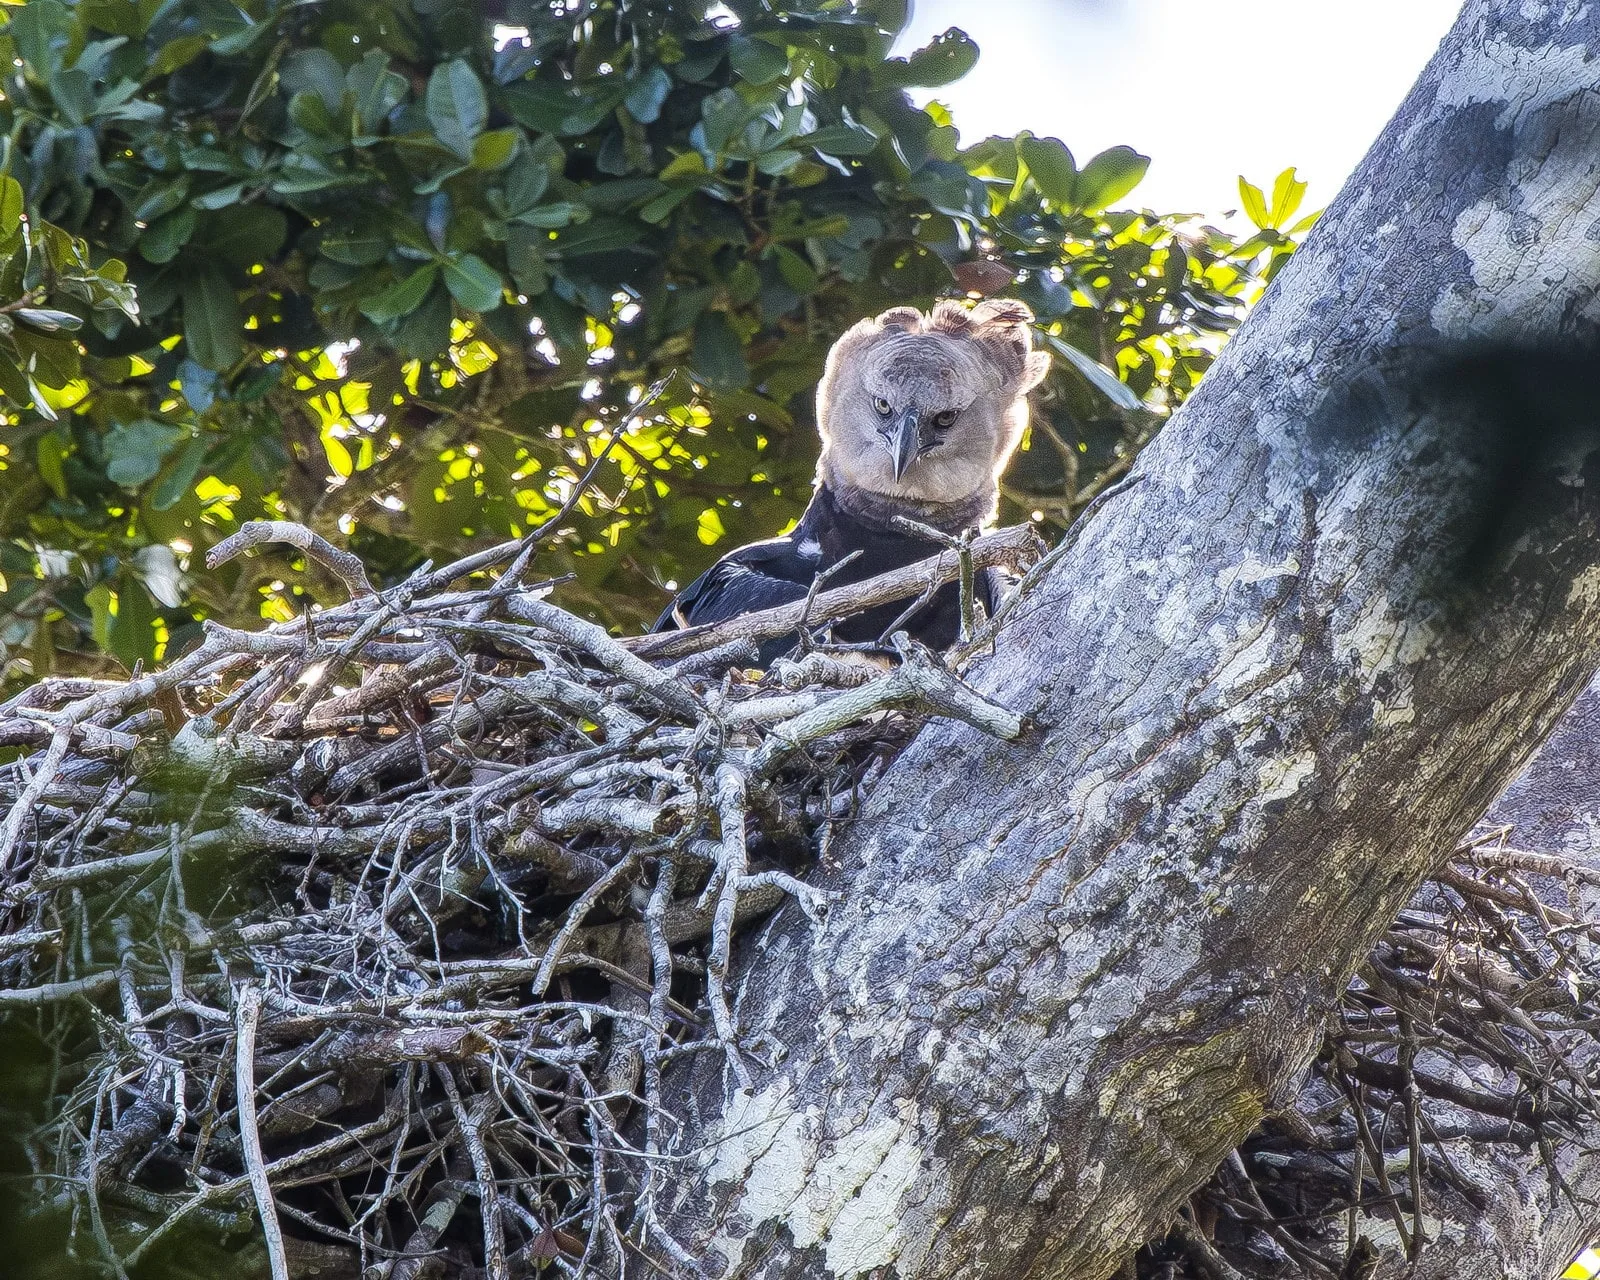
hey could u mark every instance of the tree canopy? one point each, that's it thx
(398, 271)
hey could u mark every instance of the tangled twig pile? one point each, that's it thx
(1468, 1045)
(388, 919)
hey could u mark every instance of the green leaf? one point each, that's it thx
(756, 61)
(723, 114)
(308, 111)
(166, 236)
(1306, 223)
(659, 209)
(211, 320)
(221, 198)
(425, 332)
(136, 450)
(777, 163)
(161, 198)
(119, 17)
(525, 182)
(946, 58)
(598, 235)
(1096, 374)
(40, 29)
(180, 476)
(456, 106)
(50, 359)
(357, 246)
(177, 53)
(1287, 192)
(691, 164)
(15, 385)
(494, 150)
(841, 140)
(98, 598)
(1255, 204)
(797, 273)
(12, 205)
(551, 216)
(718, 354)
(74, 94)
(51, 455)
(525, 258)
(647, 94)
(132, 631)
(1053, 168)
(472, 282)
(376, 90)
(1108, 177)
(314, 71)
(402, 298)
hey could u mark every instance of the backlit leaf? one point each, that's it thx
(945, 58)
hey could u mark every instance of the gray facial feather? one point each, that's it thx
(977, 364)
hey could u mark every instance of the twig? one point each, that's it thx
(253, 533)
(244, 1074)
(1006, 548)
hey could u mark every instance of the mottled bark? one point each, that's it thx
(1069, 974)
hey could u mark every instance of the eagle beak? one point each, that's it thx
(904, 437)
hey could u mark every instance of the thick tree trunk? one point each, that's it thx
(1067, 976)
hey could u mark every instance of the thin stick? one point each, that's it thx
(248, 1016)
(1012, 548)
(253, 533)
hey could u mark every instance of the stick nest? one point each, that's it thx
(359, 944)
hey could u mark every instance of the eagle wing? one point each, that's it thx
(759, 576)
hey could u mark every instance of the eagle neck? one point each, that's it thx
(878, 511)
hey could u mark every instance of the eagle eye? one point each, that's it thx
(882, 406)
(946, 419)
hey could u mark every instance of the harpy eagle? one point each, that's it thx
(919, 415)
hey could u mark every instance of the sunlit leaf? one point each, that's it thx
(757, 61)
(1287, 192)
(1255, 204)
(1108, 177)
(1052, 167)
(1097, 375)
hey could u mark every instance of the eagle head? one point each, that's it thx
(928, 407)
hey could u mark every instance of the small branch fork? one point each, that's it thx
(375, 940)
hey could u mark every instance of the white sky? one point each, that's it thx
(1209, 89)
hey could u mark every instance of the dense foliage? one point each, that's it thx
(401, 268)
